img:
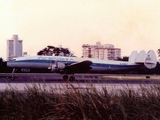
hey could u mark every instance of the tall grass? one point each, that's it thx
(39, 103)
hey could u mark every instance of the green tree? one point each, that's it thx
(1, 60)
(125, 58)
(158, 51)
(1, 65)
(51, 50)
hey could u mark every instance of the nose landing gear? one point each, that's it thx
(13, 77)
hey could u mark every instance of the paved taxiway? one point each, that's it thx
(83, 81)
(94, 78)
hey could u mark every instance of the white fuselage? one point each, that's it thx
(44, 62)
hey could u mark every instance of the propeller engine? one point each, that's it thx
(57, 66)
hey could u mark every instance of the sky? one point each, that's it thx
(127, 24)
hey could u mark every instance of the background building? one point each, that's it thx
(14, 47)
(104, 52)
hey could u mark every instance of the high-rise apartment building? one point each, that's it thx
(14, 47)
(104, 52)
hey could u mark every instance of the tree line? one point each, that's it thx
(57, 51)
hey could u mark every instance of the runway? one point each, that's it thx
(83, 81)
(80, 78)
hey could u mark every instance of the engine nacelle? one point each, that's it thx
(58, 66)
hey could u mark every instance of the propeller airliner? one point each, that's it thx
(71, 65)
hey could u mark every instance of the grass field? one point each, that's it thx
(37, 103)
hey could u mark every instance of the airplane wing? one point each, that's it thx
(83, 66)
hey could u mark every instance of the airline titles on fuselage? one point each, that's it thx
(56, 58)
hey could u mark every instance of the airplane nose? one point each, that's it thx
(9, 64)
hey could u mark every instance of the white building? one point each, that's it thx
(104, 52)
(14, 47)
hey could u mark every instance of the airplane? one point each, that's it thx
(72, 65)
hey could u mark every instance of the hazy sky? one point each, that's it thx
(127, 24)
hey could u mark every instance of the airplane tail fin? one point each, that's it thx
(141, 57)
(133, 56)
(150, 60)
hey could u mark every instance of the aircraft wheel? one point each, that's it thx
(65, 77)
(12, 78)
(72, 78)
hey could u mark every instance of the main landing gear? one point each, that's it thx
(12, 76)
(71, 78)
